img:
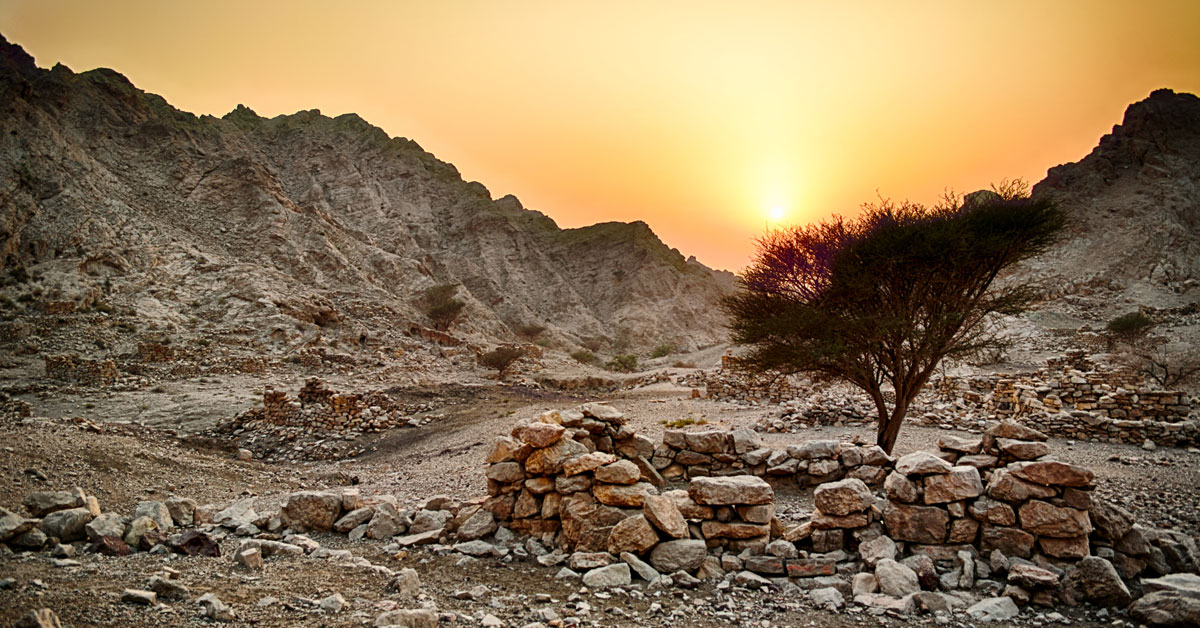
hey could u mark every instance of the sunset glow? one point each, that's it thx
(700, 118)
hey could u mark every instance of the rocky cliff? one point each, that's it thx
(304, 227)
(1134, 203)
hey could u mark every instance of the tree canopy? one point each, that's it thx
(883, 298)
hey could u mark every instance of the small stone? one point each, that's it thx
(993, 609)
(137, 596)
(896, 579)
(333, 604)
(215, 609)
(250, 558)
(607, 577)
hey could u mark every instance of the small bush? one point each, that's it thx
(678, 423)
(441, 307)
(530, 331)
(583, 356)
(627, 363)
(1129, 326)
(662, 351)
(680, 364)
(501, 358)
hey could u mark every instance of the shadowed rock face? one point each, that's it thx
(1134, 204)
(306, 222)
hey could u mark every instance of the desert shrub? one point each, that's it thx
(662, 351)
(441, 307)
(627, 363)
(1129, 327)
(684, 422)
(501, 358)
(593, 344)
(583, 356)
(680, 364)
(530, 331)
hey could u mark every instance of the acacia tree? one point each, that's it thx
(882, 299)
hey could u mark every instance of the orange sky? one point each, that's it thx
(697, 117)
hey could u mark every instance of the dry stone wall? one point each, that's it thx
(690, 454)
(77, 370)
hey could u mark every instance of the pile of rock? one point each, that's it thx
(60, 518)
(698, 453)
(77, 370)
(310, 425)
(734, 382)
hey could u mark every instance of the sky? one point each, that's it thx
(711, 121)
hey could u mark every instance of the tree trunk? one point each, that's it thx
(889, 430)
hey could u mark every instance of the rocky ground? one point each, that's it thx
(122, 462)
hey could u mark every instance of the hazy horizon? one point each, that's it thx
(701, 119)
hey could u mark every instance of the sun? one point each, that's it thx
(775, 213)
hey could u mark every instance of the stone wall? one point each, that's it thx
(733, 382)
(690, 454)
(77, 370)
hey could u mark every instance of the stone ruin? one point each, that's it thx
(992, 516)
(318, 413)
(76, 370)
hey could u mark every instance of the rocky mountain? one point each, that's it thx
(1134, 204)
(303, 229)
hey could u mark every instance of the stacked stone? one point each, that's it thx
(733, 382)
(318, 409)
(562, 474)
(1135, 550)
(77, 370)
(692, 454)
(844, 514)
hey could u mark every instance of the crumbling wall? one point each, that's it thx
(77, 370)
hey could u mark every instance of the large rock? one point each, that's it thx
(509, 472)
(67, 525)
(1185, 584)
(539, 435)
(745, 440)
(1032, 576)
(874, 550)
(959, 484)
(706, 442)
(921, 463)
(1052, 473)
(182, 510)
(42, 503)
(688, 507)
(672, 556)
(993, 609)
(730, 490)
(664, 514)
(156, 511)
(625, 496)
(408, 618)
(1166, 609)
(603, 412)
(1112, 522)
(1022, 449)
(549, 460)
(1012, 430)
(843, 497)
(238, 514)
(107, 524)
(311, 510)
(734, 530)
(1010, 541)
(1097, 581)
(815, 450)
(1008, 487)
(477, 526)
(587, 462)
(353, 519)
(961, 444)
(900, 488)
(917, 524)
(614, 575)
(896, 579)
(619, 472)
(994, 512)
(634, 535)
(13, 525)
(1044, 519)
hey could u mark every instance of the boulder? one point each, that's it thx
(625, 496)
(877, 549)
(634, 535)
(1112, 522)
(896, 579)
(587, 462)
(477, 526)
(1052, 473)
(959, 484)
(42, 503)
(157, 511)
(921, 463)
(549, 460)
(1166, 609)
(900, 488)
(107, 524)
(917, 524)
(614, 575)
(311, 510)
(729, 490)
(539, 435)
(619, 472)
(843, 497)
(664, 514)
(993, 609)
(1097, 581)
(194, 543)
(182, 510)
(1044, 519)
(67, 525)
(672, 556)
(13, 525)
